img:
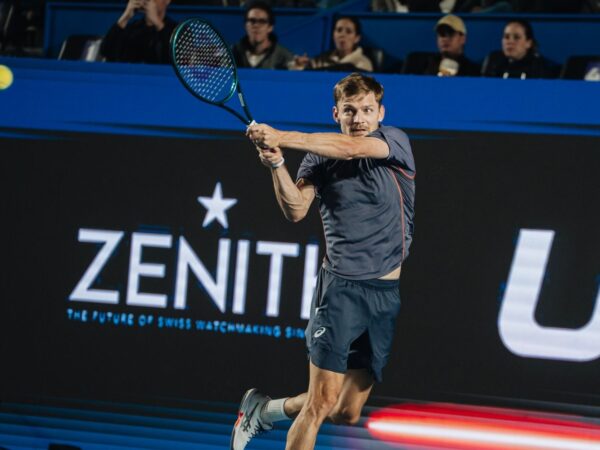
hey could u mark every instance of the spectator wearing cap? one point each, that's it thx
(519, 57)
(259, 48)
(450, 60)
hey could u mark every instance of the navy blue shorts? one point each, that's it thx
(352, 323)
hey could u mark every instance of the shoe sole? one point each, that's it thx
(243, 404)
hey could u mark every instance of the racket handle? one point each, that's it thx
(251, 123)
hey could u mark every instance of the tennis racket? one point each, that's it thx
(204, 64)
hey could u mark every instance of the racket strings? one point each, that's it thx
(204, 62)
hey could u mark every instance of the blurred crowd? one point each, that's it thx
(143, 30)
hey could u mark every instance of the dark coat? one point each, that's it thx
(277, 56)
(138, 42)
(532, 66)
(423, 63)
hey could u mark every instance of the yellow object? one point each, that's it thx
(6, 77)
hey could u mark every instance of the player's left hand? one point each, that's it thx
(264, 136)
(269, 156)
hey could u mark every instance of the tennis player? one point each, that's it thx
(364, 181)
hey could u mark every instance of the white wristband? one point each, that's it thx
(278, 164)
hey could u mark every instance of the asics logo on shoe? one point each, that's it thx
(246, 421)
(319, 332)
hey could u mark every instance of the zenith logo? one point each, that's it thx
(517, 325)
(188, 263)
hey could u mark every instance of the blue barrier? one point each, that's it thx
(308, 30)
(141, 99)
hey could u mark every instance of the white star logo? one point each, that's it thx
(216, 207)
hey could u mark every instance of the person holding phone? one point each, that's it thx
(145, 40)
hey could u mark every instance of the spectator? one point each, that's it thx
(259, 48)
(519, 57)
(451, 60)
(347, 54)
(141, 41)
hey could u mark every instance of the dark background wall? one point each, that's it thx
(142, 177)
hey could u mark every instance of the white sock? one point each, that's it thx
(273, 411)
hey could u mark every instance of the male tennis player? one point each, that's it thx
(364, 180)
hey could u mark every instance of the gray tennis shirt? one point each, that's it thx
(367, 207)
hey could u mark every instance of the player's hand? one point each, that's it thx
(264, 136)
(269, 156)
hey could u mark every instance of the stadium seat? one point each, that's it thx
(416, 62)
(377, 57)
(81, 47)
(8, 16)
(577, 67)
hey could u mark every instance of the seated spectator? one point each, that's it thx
(451, 60)
(144, 40)
(347, 54)
(519, 57)
(259, 48)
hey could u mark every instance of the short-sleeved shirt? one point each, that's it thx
(367, 207)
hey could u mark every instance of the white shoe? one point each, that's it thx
(248, 423)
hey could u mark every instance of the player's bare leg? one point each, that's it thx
(323, 393)
(355, 392)
(293, 405)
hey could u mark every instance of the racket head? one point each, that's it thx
(203, 61)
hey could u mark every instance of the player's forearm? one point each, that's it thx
(329, 145)
(288, 195)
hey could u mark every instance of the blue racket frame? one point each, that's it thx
(236, 86)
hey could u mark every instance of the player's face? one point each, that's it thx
(258, 26)
(450, 42)
(514, 41)
(345, 37)
(359, 115)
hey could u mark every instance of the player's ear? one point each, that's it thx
(336, 116)
(381, 113)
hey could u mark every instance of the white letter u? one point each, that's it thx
(519, 330)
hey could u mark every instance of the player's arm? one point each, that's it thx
(329, 145)
(294, 198)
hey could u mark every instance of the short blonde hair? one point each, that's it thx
(356, 84)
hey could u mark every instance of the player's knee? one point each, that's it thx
(321, 405)
(345, 415)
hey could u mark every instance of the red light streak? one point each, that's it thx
(461, 427)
